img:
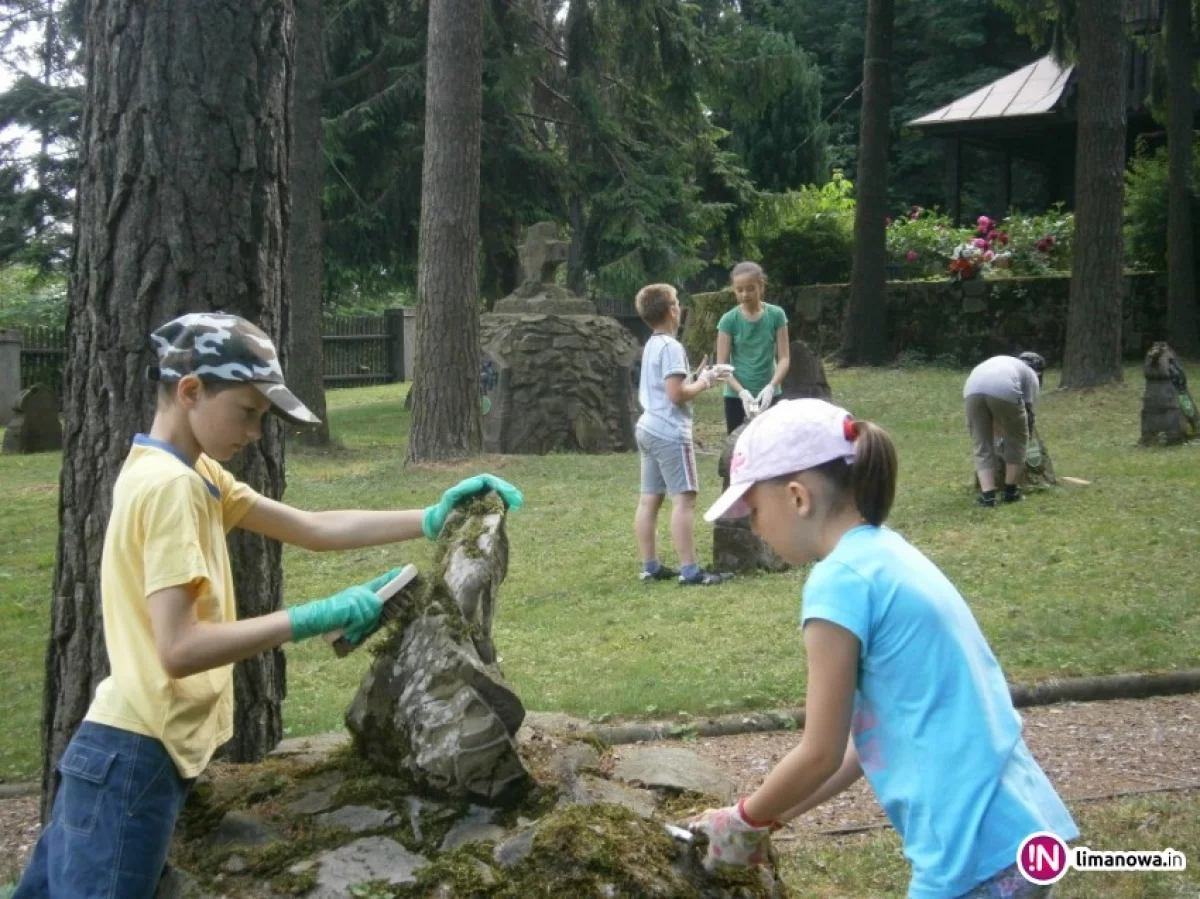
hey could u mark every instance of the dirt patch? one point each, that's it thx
(1086, 749)
(18, 832)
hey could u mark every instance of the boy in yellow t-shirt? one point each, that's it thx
(170, 621)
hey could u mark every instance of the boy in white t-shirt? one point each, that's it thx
(664, 438)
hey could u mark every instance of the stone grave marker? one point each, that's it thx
(36, 427)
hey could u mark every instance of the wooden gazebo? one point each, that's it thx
(1029, 115)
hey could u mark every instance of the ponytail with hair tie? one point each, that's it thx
(866, 476)
(874, 470)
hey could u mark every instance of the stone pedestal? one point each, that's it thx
(557, 376)
(1169, 413)
(735, 548)
(10, 373)
(36, 427)
(558, 382)
(805, 378)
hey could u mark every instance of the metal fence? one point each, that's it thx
(358, 352)
(44, 358)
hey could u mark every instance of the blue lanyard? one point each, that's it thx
(146, 440)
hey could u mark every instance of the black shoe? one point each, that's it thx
(1013, 495)
(986, 501)
(706, 579)
(662, 573)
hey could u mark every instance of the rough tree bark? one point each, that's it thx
(306, 361)
(581, 76)
(182, 206)
(1093, 345)
(1183, 331)
(864, 338)
(446, 418)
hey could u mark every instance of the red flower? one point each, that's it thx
(912, 256)
(1003, 238)
(981, 243)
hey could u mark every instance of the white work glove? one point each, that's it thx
(707, 377)
(765, 396)
(749, 403)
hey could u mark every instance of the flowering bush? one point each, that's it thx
(924, 244)
(920, 242)
(1044, 241)
(968, 260)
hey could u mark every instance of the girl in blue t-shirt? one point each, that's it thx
(902, 685)
(753, 337)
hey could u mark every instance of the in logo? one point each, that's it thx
(1042, 858)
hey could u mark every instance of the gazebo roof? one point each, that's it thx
(1035, 90)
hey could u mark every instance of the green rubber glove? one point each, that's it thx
(435, 516)
(354, 611)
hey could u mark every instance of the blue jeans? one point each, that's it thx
(1008, 884)
(118, 798)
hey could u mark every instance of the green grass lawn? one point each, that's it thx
(1087, 580)
(872, 865)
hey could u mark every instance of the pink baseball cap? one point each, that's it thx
(791, 436)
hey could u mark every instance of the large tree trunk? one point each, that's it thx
(446, 419)
(864, 337)
(306, 368)
(1181, 263)
(580, 81)
(1093, 350)
(182, 206)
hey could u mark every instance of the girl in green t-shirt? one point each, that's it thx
(753, 337)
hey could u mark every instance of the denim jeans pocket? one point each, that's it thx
(85, 771)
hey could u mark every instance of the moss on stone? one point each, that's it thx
(295, 884)
(678, 805)
(461, 873)
(465, 525)
(582, 851)
(538, 800)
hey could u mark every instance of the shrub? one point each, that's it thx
(29, 298)
(1146, 197)
(806, 236)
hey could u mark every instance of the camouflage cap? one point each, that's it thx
(217, 347)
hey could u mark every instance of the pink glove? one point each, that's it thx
(732, 838)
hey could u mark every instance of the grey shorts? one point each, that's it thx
(668, 466)
(987, 417)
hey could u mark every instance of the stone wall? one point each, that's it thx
(959, 322)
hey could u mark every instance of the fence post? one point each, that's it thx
(394, 325)
(410, 342)
(10, 373)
